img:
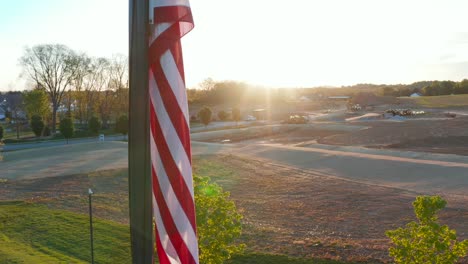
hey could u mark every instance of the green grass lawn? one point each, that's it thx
(31, 233)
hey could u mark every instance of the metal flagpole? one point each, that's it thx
(139, 178)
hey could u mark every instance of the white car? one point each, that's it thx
(250, 118)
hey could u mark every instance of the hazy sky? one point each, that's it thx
(294, 43)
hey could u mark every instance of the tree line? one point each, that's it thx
(69, 84)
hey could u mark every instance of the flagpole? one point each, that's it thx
(139, 173)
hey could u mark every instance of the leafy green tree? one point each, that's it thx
(1, 133)
(426, 241)
(389, 91)
(236, 115)
(94, 125)
(36, 103)
(218, 222)
(222, 115)
(461, 87)
(446, 87)
(67, 128)
(121, 126)
(37, 125)
(205, 115)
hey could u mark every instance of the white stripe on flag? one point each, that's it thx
(177, 213)
(175, 81)
(163, 237)
(176, 148)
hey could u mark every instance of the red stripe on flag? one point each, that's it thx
(182, 250)
(162, 256)
(172, 107)
(176, 179)
(176, 51)
(167, 14)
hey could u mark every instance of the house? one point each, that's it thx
(2, 113)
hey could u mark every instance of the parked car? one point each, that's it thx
(250, 118)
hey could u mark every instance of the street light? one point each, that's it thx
(90, 193)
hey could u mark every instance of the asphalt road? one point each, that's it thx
(53, 143)
(421, 172)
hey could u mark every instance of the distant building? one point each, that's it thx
(339, 98)
(415, 95)
(2, 114)
(259, 114)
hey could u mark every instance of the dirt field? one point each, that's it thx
(440, 136)
(425, 134)
(299, 213)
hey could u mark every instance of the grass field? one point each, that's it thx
(443, 101)
(32, 233)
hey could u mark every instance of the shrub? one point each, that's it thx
(205, 115)
(121, 125)
(222, 115)
(67, 128)
(426, 241)
(1, 133)
(94, 125)
(37, 125)
(46, 131)
(218, 222)
(236, 115)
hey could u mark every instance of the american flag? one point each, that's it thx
(173, 197)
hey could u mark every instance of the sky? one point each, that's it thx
(271, 43)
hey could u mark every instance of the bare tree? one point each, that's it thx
(52, 66)
(118, 73)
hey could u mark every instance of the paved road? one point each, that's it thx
(53, 143)
(421, 172)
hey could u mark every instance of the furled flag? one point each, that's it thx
(173, 197)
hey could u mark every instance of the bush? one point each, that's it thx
(218, 222)
(121, 125)
(1, 133)
(426, 241)
(46, 131)
(67, 128)
(205, 115)
(94, 125)
(222, 115)
(236, 115)
(37, 125)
